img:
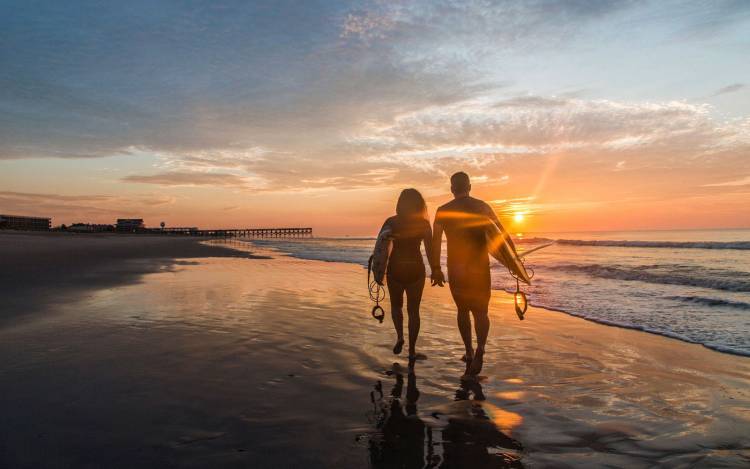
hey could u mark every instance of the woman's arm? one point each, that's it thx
(427, 240)
(433, 253)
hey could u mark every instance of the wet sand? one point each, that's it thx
(237, 362)
(41, 270)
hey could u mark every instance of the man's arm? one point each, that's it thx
(437, 276)
(493, 216)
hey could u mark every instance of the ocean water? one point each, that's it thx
(689, 285)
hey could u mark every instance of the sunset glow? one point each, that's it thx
(374, 233)
(223, 118)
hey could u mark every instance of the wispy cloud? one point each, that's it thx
(102, 208)
(541, 125)
(367, 25)
(733, 88)
(738, 182)
(190, 179)
(423, 146)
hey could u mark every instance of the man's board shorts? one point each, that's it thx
(470, 286)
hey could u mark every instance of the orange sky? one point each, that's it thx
(612, 116)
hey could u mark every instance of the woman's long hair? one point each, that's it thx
(411, 204)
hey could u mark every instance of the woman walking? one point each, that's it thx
(410, 227)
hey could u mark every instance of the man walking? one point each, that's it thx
(464, 221)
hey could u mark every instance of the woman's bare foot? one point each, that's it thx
(398, 347)
(476, 362)
(467, 356)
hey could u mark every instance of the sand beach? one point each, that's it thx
(191, 193)
(138, 351)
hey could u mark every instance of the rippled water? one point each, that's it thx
(689, 285)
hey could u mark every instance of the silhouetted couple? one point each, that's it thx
(464, 221)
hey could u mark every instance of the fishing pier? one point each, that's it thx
(238, 232)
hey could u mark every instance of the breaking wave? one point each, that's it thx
(702, 300)
(604, 285)
(666, 275)
(739, 245)
(652, 330)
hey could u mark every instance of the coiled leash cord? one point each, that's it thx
(520, 300)
(377, 294)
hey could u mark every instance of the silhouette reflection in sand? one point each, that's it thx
(457, 435)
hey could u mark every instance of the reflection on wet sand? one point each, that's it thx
(400, 437)
(231, 362)
(462, 434)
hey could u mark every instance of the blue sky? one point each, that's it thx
(225, 112)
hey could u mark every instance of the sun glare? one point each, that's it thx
(518, 217)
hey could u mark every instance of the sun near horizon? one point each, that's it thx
(223, 119)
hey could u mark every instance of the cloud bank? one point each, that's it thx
(368, 95)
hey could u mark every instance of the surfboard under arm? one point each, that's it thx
(381, 253)
(501, 249)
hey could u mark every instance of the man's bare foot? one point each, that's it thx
(477, 362)
(399, 345)
(467, 356)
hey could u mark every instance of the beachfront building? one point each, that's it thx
(130, 225)
(20, 222)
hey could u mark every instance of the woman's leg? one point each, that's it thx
(413, 300)
(396, 293)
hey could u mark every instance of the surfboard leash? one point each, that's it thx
(520, 300)
(377, 294)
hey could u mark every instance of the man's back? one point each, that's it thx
(464, 221)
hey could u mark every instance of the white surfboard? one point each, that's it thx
(500, 248)
(381, 253)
